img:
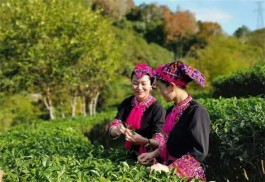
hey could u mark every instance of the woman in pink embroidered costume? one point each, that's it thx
(187, 126)
(140, 117)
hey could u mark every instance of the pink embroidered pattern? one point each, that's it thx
(188, 166)
(146, 103)
(179, 73)
(115, 123)
(143, 69)
(193, 73)
(159, 137)
(171, 119)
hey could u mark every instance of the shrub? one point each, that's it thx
(246, 83)
(58, 151)
(15, 110)
(237, 138)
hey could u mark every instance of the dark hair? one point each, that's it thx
(166, 83)
(151, 78)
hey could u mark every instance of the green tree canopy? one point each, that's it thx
(53, 46)
(241, 32)
(224, 55)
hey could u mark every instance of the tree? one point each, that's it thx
(257, 38)
(152, 16)
(147, 20)
(224, 55)
(178, 27)
(241, 32)
(115, 9)
(51, 46)
(166, 11)
(207, 31)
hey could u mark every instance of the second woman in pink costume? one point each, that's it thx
(185, 141)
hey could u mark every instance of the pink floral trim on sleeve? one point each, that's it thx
(159, 137)
(188, 166)
(115, 123)
(162, 149)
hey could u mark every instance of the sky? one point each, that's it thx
(230, 14)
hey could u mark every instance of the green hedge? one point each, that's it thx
(58, 150)
(246, 83)
(16, 109)
(237, 139)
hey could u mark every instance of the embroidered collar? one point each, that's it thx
(173, 117)
(182, 103)
(146, 103)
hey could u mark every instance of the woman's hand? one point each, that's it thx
(118, 130)
(145, 158)
(135, 138)
(159, 167)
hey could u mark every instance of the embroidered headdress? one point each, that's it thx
(143, 69)
(179, 74)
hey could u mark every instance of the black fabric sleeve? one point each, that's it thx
(158, 118)
(123, 109)
(199, 130)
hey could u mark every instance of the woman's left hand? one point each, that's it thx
(134, 137)
(159, 167)
(145, 158)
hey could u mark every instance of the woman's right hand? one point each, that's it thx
(118, 130)
(145, 158)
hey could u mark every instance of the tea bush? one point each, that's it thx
(250, 82)
(58, 151)
(237, 138)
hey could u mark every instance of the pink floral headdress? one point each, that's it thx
(143, 69)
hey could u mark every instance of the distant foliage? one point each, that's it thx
(207, 31)
(147, 20)
(257, 38)
(177, 28)
(177, 31)
(114, 9)
(135, 49)
(242, 32)
(223, 56)
(250, 82)
(15, 110)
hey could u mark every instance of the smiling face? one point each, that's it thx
(141, 87)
